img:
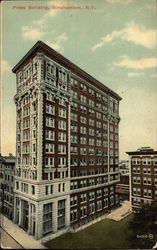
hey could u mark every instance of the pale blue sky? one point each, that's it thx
(113, 40)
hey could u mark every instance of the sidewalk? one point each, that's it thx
(25, 240)
(121, 212)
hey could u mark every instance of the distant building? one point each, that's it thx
(122, 188)
(143, 176)
(7, 168)
(124, 167)
(67, 144)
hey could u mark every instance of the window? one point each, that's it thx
(50, 135)
(50, 122)
(74, 105)
(83, 130)
(83, 198)
(61, 214)
(62, 112)
(47, 218)
(33, 189)
(73, 215)
(17, 185)
(91, 182)
(105, 191)
(50, 109)
(92, 208)
(62, 124)
(49, 148)
(73, 185)
(73, 82)
(99, 193)
(74, 94)
(91, 103)
(91, 92)
(61, 136)
(83, 183)
(73, 138)
(91, 195)
(73, 200)
(74, 117)
(83, 99)
(147, 192)
(83, 140)
(99, 205)
(83, 119)
(74, 128)
(106, 202)
(91, 122)
(46, 190)
(61, 149)
(51, 189)
(73, 150)
(83, 211)
(49, 161)
(62, 161)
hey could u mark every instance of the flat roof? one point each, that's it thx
(47, 50)
(142, 152)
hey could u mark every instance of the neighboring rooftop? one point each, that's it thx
(143, 150)
(7, 159)
(44, 48)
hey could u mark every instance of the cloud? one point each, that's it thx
(143, 63)
(57, 43)
(132, 32)
(154, 75)
(31, 33)
(5, 66)
(37, 30)
(135, 74)
(119, 1)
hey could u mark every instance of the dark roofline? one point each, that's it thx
(65, 62)
(142, 152)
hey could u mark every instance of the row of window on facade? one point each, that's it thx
(144, 170)
(62, 161)
(91, 196)
(47, 216)
(144, 160)
(83, 172)
(91, 110)
(6, 177)
(92, 208)
(98, 96)
(32, 175)
(49, 189)
(146, 192)
(83, 161)
(27, 71)
(7, 188)
(95, 121)
(138, 201)
(90, 182)
(145, 180)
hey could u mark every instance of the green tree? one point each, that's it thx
(143, 227)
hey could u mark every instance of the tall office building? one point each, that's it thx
(143, 176)
(66, 146)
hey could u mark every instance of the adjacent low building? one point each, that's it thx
(143, 176)
(7, 168)
(122, 188)
(124, 167)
